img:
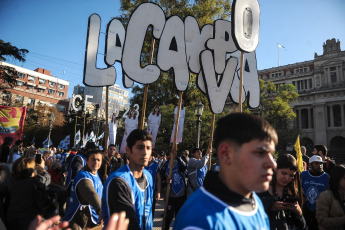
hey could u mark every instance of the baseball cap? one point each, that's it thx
(316, 158)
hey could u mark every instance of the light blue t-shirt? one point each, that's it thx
(203, 210)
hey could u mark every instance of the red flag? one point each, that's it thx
(11, 122)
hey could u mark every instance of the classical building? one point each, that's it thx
(35, 87)
(321, 106)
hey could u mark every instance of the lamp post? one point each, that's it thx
(199, 108)
(51, 121)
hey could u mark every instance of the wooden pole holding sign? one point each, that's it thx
(172, 156)
(241, 85)
(146, 89)
(106, 133)
(211, 140)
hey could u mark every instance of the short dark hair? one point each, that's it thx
(90, 145)
(242, 128)
(136, 135)
(95, 151)
(8, 140)
(18, 142)
(194, 150)
(111, 146)
(321, 148)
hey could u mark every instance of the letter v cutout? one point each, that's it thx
(218, 89)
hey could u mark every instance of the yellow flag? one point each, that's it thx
(299, 155)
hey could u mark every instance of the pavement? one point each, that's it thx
(158, 218)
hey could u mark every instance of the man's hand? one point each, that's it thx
(37, 224)
(117, 222)
(209, 151)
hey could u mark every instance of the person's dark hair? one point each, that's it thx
(294, 188)
(154, 110)
(111, 146)
(8, 141)
(321, 148)
(241, 128)
(130, 114)
(90, 145)
(18, 142)
(337, 173)
(136, 135)
(91, 152)
(194, 150)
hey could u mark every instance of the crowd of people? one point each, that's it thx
(244, 188)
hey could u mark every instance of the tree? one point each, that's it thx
(275, 107)
(8, 74)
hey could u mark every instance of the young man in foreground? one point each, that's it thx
(130, 188)
(245, 144)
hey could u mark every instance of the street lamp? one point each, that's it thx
(199, 108)
(51, 121)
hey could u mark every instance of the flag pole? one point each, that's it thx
(106, 133)
(241, 84)
(211, 140)
(278, 53)
(146, 89)
(172, 155)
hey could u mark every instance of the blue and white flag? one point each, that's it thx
(45, 143)
(100, 136)
(77, 138)
(64, 143)
(92, 137)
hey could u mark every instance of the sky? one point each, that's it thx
(55, 32)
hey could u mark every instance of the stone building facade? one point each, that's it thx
(320, 109)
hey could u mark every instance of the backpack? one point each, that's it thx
(45, 200)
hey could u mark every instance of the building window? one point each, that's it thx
(20, 83)
(297, 118)
(19, 99)
(337, 115)
(31, 78)
(52, 84)
(51, 91)
(61, 86)
(304, 117)
(311, 117)
(40, 90)
(42, 81)
(310, 83)
(29, 87)
(6, 96)
(333, 72)
(20, 75)
(61, 94)
(31, 101)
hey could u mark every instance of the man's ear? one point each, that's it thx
(225, 153)
(128, 150)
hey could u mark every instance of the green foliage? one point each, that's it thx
(8, 74)
(275, 101)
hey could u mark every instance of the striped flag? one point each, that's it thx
(77, 137)
(45, 143)
(100, 136)
(64, 143)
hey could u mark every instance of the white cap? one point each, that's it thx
(316, 158)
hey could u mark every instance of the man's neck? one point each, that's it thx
(232, 186)
(136, 170)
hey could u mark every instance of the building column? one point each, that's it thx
(320, 112)
(342, 112)
(309, 119)
(331, 115)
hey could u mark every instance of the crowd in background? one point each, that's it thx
(51, 183)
